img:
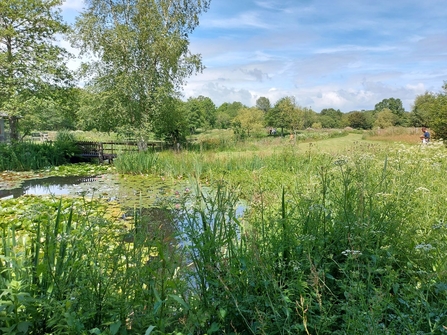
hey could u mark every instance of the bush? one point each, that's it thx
(65, 145)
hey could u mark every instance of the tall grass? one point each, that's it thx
(65, 269)
(23, 156)
(348, 246)
(327, 244)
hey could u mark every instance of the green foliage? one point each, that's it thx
(65, 144)
(101, 111)
(200, 112)
(23, 156)
(438, 114)
(331, 118)
(136, 162)
(280, 116)
(172, 124)
(395, 106)
(248, 122)
(346, 245)
(30, 61)
(295, 242)
(142, 57)
(385, 118)
(230, 109)
(358, 120)
(309, 117)
(263, 104)
(68, 270)
(423, 106)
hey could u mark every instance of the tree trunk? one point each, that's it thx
(13, 128)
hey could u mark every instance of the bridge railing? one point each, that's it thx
(110, 150)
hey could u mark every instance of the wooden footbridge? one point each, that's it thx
(107, 151)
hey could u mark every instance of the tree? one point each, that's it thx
(357, 120)
(385, 119)
(223, 120)
(309, 117)
(208, 110)
(231, 109)
(195, 111)
(331, 118)
(141, 55)
(263, 104)
(281, 114)
(249, 120)
(172, 125)
(226, 113)
(395, 106)
(101, 111)
(438, 114)
(297, 118)
(53, 108)
(422, 107)
(30, 62)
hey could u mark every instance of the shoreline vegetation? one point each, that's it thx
(340, 235)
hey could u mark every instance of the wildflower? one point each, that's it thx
(341, 161)
(439, 225)
(348, 252)
(424, 247)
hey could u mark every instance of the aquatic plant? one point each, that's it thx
(327, 243)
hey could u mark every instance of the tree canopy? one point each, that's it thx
(30, 61)
(395, 106)
(140, 55)
(263, 104)
(438, 114)
(280, 116)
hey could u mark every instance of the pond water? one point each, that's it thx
(127, 190)
(45, 186)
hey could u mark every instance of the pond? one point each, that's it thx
(129, 191)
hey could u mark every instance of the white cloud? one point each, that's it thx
(340, 54)
(243, 20)
(73, 4)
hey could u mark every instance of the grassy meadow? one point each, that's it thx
(325, 235)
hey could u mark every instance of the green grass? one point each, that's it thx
(341, 236)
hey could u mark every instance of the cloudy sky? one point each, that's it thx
(341, 54)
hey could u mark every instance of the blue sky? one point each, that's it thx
(341, 54)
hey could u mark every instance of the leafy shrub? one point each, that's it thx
(65, 144)
(22, 156)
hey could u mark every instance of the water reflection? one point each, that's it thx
(128, 191)
(45, 186)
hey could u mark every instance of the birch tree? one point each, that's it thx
(30, 60)
(139, 56)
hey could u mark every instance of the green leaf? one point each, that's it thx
(157, 306)
(179, 300)
(214, 328)
(114, 327)
(149, 330)
(23, 326)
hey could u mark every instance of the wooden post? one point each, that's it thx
(101, 152)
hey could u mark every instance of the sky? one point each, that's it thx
(342, 54)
